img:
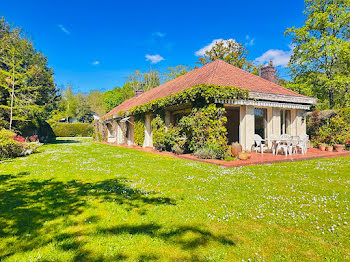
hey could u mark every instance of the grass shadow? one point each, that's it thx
(26, 205)
(187, 237)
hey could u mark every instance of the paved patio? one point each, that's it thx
(256, 159)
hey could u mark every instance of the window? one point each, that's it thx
(260, 119)
(286, 117)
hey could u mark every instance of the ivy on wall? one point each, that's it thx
(139, 131)
(197, 96)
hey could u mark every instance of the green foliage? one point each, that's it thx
(26, 81)
(197, 96)
(164, 138)
(73, 129)
(175, 72)
(139, 131)
(204, 127)
(336, 131)
(144, 80)
(96, 101)
(211, 151)
(329, 126)
(230, 52)
(118, 95)
(8, 146)
(320, 63)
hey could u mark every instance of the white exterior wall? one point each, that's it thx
(300, 122)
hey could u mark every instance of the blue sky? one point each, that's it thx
(97, 44)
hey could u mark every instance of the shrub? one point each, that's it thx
(211, 151)
(139, 132)
(336, 131)
(177, 150)
(205, 126)
(164, 138)
(9, 147)
(73, 129)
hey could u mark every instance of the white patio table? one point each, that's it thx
(277, 141)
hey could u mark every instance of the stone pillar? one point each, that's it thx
(167, 118)
(242, 126)
(293, 123)
(148, 142)
(246, 127)
(131, 132)
(269, 124)
(276, 116)
(120, 139)
(250, 127)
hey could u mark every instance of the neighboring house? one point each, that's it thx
(270, 109)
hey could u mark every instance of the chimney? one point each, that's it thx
(138, 92)
(268, 72)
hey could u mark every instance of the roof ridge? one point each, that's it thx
(214, 70)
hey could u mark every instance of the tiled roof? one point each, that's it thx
(215, 73)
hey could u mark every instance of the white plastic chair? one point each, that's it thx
(303, 143)
(274, 142)
(259, 142)
(293, 145)
(284, 144)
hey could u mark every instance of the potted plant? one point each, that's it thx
(244, 155)
(329, 148)
(322, 146)
(339, 148)
(336, 133)
(236, 148)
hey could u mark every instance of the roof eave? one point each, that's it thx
(283, 98)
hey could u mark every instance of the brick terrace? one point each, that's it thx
(256, 159)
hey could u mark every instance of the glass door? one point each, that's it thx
(260, 119)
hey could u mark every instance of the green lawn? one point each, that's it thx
(81, 201)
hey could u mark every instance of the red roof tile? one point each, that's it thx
(215, 73)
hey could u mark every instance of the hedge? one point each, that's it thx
(73, 129)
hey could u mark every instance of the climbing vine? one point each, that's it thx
(139, 130)
(197, 96)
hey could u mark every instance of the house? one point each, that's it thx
(270, 108)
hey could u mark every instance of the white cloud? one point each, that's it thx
(96, 63)
(201, 52)
(154, 58)
(250, 41)
(278, 57)
(159, 34)
(64, 30)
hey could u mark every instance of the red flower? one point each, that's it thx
(19, 139)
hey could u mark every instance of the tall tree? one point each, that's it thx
(96, 102)
(27, 90)
(175, 72)
(320, 60)
(118, 95)
(144, 80)
(230, 52)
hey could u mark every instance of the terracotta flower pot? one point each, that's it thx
(322, 148)
(339, 148)
(329, 148)
(243, 156)
(236, 148)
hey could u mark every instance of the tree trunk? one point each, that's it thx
(331, 98)
(12, 94)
